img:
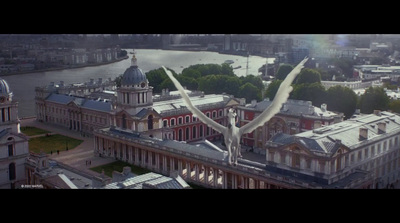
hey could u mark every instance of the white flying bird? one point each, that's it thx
(232, 133)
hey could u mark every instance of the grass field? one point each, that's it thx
(32, 131)
(52, 143)
(118, 166)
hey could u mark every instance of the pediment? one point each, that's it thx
(145, 113)
(123, 112)
(72, 104)
(7, 136)
(232, 102)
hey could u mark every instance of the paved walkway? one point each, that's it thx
(76, 157)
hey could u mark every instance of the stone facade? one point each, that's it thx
(13, 144)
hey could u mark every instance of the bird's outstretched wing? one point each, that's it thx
(200, 115)
(281, 97)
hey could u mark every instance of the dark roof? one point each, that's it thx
(133, 76)
(4, 88)
(81, 102)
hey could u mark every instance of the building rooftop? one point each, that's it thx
(328, 139)
(149, 181)
(198, 101)
(202, 149)
(294, 107)
(81, 102)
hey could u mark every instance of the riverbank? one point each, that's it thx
(68, 67)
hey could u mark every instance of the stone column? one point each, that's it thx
(157, 161)
(196, 172)
(224, 179)
(164, 163)
(180, 167)
(149, 159)
(137, 156)
(206, 170)
(172, 164)
(234, 181)
(188, 171)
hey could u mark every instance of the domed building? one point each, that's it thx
(13, 144)
(134, 107)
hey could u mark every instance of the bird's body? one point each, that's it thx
(232, 133)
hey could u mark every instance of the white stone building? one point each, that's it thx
(363, 152)
(13, 144)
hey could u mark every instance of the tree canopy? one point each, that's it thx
(308, 76)
(374, 98)
(283, 71)
(341, 99)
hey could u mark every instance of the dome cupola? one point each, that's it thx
(4, 88)
(134, 76)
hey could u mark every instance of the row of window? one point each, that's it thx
(350, 159)
(187, 119)
(192, 134)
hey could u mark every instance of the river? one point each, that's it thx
(23, 85)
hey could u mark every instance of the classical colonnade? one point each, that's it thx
(205, 172)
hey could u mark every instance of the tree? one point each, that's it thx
(249, 92)
(308, 76)
(157, 77)
(283, 71)
(188, 82)
(313, 92)
(217, 84)
(272, 89)
(344, 64)
(394, 105)
(341, 99)
(255, 80)
(118, 80)
(374, 98)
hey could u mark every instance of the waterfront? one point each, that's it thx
(23, 85)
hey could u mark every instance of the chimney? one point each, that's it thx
(363, 134)
(377, 112)
(381, 127)
(253, 103)
(61, 84)
(324, 107)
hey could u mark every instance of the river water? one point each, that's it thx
(23, 85)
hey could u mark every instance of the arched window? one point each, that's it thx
(194, 132)
(10, 150)
(201, 131)
(180, 135)
(187, 133)
(11, 171)
(165, 123)
(150, 122)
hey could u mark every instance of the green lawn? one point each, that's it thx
(118, 166)
(31, 131)
(52, 143)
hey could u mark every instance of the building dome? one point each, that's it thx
(133, 75)
(4, 88)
